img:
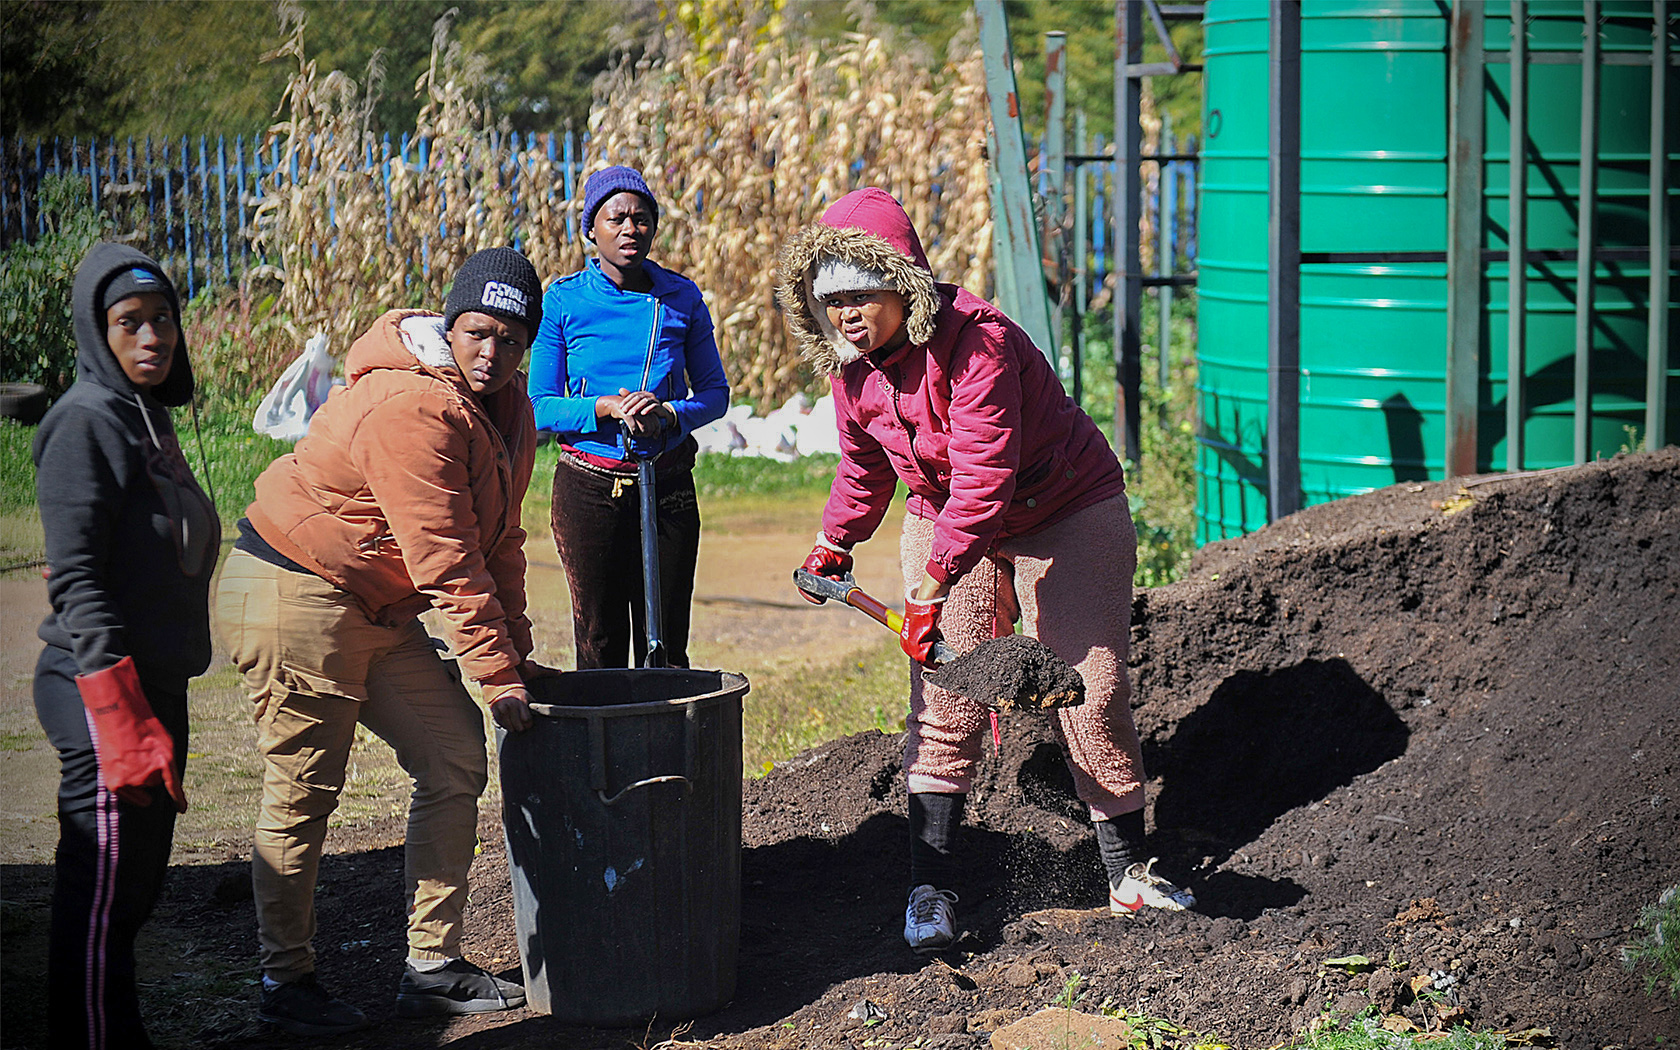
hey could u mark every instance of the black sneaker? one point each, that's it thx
(458, 988)
(303, 1007)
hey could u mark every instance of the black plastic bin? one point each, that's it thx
(622, 806)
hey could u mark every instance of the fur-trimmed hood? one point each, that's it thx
(866, 228)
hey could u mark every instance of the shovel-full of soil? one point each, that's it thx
(1012, 673)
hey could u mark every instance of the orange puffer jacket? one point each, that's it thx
(407, 492)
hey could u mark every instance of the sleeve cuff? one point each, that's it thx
(939, 572)
(505, 677)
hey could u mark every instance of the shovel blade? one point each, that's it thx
(1014, 673)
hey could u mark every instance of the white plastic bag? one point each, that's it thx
(302, 388)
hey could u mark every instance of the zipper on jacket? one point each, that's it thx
(909, 428)
(647, 362)
(504, 466)
(653, 340)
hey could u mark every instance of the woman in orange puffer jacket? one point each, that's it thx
(405, 496)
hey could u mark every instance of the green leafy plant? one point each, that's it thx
(35, 280)
(1366, 1033)
(1659, 948)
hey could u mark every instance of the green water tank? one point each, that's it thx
(1374, 77)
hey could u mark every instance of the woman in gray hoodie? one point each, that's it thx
(131, 544)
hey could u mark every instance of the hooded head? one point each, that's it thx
(108, 274)
(863, 242)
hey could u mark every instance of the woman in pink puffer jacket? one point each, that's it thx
(1017, 510)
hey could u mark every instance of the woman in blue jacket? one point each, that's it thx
(624, 346)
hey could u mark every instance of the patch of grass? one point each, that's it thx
(1367, 1033)
(1659, 948)
(229, 459)
(17, 470)
(717, 476)
(224, 452)
(813, 705)
(188, 995)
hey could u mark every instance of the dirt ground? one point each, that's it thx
(1433, 726)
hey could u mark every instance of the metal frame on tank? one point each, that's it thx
(1467, 256)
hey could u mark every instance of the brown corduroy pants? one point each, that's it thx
(314, 667)
(1070, 585)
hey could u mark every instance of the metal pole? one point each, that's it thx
(185, 157)
(1003, 275)
(1081, 263)
(221, 190)
(1013, 208)
(1587, 224)
(1128, 269)
(1054, 165)
(1166, 215)
(1283, 277)
(1516, 368)
(1467, 136)
(1656, 331)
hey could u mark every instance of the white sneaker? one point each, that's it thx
(928, 920)
(1142, 888)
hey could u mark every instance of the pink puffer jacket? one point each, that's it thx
(968, 414)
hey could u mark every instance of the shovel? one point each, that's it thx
(1012, 673)
(653, 613)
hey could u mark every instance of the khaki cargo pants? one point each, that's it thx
(315, 666)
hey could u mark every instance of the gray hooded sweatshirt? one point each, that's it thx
(131, 538)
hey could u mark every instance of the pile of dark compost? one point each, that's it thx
(1434, 725)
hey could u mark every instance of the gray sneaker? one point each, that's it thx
(458, 988)
(929, 920)
(303, 1007)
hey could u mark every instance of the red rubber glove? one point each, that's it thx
(135, 752)
(921, 628)
(826, 559)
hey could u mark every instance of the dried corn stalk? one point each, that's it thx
(744, 140)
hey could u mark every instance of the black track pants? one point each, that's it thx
(109, 870)
(598, 533)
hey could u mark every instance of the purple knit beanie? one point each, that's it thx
(608, 181)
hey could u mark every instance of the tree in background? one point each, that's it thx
(189, 67)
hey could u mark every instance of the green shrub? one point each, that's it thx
(35, 280)
(1659, 949)
(1162, 488)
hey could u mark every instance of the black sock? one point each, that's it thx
(1120, 840)
(934, 820)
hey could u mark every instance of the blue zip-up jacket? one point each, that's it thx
(596, 338)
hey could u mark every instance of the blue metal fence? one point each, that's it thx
(191, 204)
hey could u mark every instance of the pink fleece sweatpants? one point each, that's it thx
(1071, 587)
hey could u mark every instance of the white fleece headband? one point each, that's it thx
(836, 276)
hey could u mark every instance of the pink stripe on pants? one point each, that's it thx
(104, 893)
(1072, 586)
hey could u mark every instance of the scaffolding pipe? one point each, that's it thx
(1467, 138)
(1587, 225)
(1283, 270)
(1516, 338)
(1656, 333)
(1128, 269)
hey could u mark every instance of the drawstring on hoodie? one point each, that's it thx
(157, 443)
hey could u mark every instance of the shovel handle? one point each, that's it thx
(845, 589)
